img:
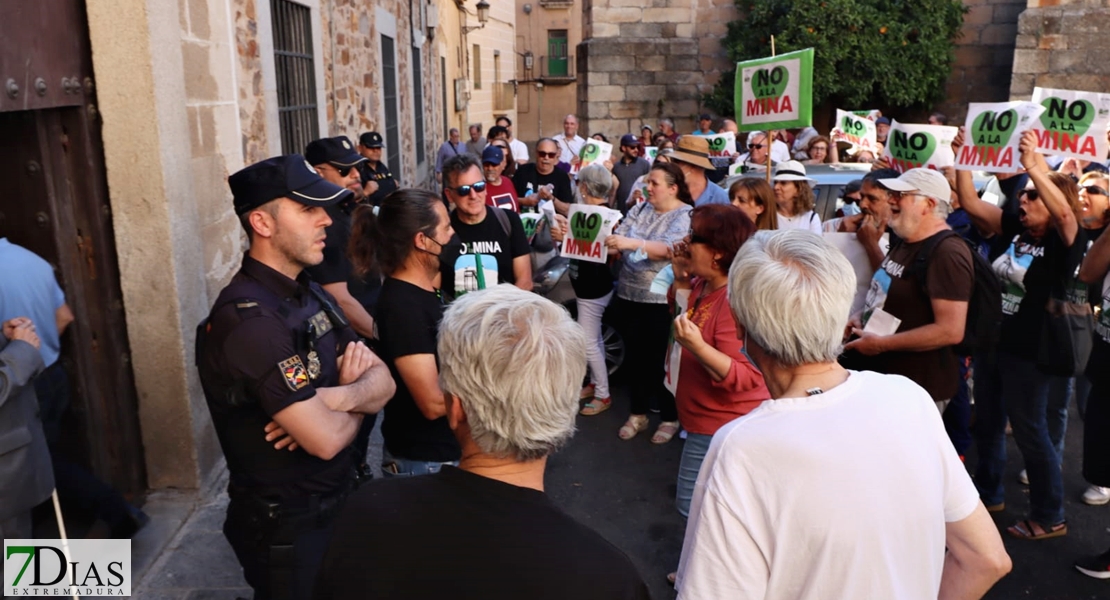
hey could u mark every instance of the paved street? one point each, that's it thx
(625, 491)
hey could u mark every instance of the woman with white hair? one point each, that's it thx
(755, 521)
(795, 197)
(593, 288)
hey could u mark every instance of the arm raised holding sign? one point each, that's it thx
(986, 216)
(1063, 218)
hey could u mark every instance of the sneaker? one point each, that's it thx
(1096, 496)
(1095, 566)
(1023, 477)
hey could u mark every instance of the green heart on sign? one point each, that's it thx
(770, 83)
(1067, 117)
(585, 226)
(852, 126)
(529, 226)
(717, 144)
(993, 129)
(917, 148)
(590, 151)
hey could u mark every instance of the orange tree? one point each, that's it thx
(867, 53)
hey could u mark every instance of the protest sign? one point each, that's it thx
(650, 152)
(721, 144)
(871, 114)
(775, 92)
(529, 221)
(589, 226)
(854, 129)
(992, 135)
(1073, 123)
(911, 146)
(593, 151)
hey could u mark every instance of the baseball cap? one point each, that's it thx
(629, 140)
(882, 121)
(371, 139)
(337, 151)
(493, 155)
(926, 181)
(289, 176)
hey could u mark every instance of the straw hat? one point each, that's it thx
(791, 170)
(693, 149)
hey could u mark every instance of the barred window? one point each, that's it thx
(389, 97)
(418, 102)
(296, 76)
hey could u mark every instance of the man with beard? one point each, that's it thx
(500, 192)
(533, 180)
(928, 317)
(629, 168)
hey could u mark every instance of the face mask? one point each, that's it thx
(637, 256)
(444, 257)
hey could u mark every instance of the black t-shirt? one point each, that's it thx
(337, 266)
(590, 280)
(408, 319)
(485, 243)
(527, 174)
(626, 174)
(381, 174)
(254, 361)
(458, 535)
(1098, 294)
(1030, 270)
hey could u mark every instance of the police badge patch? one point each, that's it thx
(296, 377)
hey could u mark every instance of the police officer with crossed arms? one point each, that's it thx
(286, 380)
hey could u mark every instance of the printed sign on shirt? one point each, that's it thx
(912, 146)
(589, 226)
(854, 129)
(1073, 123)
(992, 135)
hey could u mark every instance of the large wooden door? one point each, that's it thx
(55, 203)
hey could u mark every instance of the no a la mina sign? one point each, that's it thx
(912, 146)
(1073, 123)
(857, 130)
(775, 92)
(992, 135)
(589, 226)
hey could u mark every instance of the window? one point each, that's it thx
(443, 87)
(389, 95)
(418, 103)
(557, 63)
(477, 56)
(295, 75)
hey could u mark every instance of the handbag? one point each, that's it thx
(1067, 336)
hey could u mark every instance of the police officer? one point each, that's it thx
(286, 381)
(377, 179)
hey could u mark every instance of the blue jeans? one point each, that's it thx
(957, 416)
(1025, 392)
(989, 430)
(403, 467)
(1060, 392)
(693, 453)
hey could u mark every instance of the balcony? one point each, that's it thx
(557, 70)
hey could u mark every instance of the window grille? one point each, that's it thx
(294, 64)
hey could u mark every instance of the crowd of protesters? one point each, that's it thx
(706, 278)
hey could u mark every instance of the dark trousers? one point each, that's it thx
(1096, 434)
(280, 561)
(957, 415)
(646, 329)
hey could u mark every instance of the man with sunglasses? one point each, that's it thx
(755, 159)
(492, 247)
(629, 168)
(336, 161)
(532, 180)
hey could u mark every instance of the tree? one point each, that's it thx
(890, 53)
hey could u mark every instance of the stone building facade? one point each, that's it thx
(984, 56)
(1062, 44)
(548, 33)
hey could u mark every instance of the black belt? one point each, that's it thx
(297, 512)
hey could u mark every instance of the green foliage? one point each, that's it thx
(867, 53)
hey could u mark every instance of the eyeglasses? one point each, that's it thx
(464, 190)
(343, 171)
(1031, 193)
(547, 154)
(1095, 190)
(755, 146)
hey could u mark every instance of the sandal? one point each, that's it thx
(635, 424)
(1031, 530)
(665, 432)
(596, 406)
(587, 392)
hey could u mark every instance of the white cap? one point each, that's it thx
(926, 181)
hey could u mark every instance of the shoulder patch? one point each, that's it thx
(292, 369)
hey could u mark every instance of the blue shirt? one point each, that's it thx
(713, 194)
(34, 294)
(446, 151)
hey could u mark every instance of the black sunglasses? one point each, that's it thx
(1094, 189)
(546, 154)
(343, 171)
(1031, 193)
(464, 190)
(755, 146)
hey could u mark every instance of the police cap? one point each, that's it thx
(336, 150)
(371, 139)
(288, 176)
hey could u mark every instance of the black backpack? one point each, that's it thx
(984, 308)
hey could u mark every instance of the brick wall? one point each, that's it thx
(1062, 47)
(984, 56)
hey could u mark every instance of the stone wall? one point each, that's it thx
(640, 63)
(1062, 47)
(984, 55)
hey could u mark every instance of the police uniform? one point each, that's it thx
(379, 172)
(268, 343)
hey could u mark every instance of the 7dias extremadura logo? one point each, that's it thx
(78, 567)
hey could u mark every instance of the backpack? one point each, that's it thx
(984, 308)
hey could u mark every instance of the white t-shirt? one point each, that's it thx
(519, 150)
(807, 220)
(840, 495)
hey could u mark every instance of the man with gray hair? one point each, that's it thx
(450, 149)
(893, 496)
(511, 365)
(916, 308)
